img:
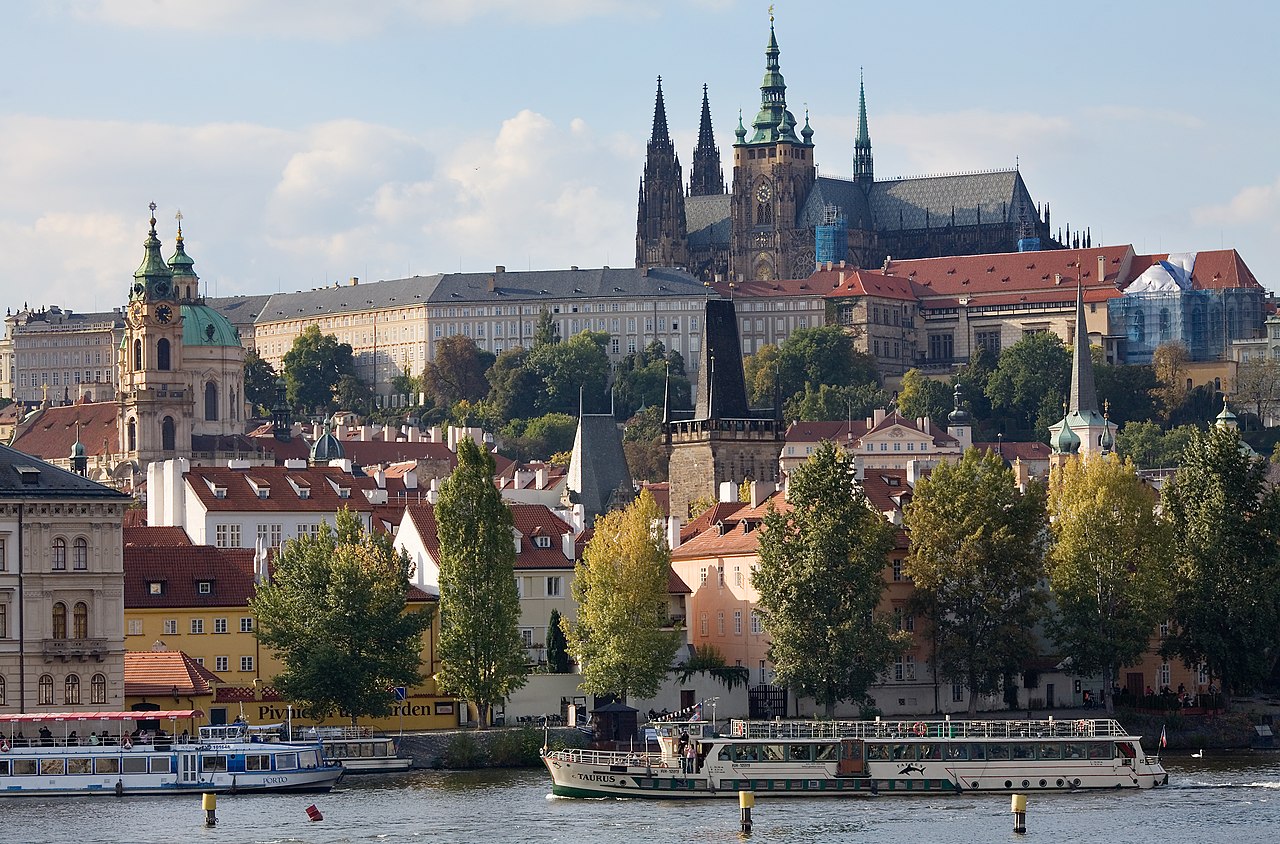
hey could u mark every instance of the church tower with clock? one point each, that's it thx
(773, 171)
(155, 395)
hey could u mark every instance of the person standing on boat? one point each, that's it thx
(680, 747)
(46, 737)
(690, 758)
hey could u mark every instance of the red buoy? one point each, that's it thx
(314, 813)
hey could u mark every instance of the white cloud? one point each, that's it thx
(1256, 204)
(967, 140)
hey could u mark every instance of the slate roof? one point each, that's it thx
(348, 298)
(180, 569)
(50, 434)
(598, 466)
(597, 283)
(1000, 195)
(239, 310)
(24, 476)
(845, 194)
(708, 220)
(722, 390)
(161, 672)
(763, 289)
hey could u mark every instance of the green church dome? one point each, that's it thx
(203, 326)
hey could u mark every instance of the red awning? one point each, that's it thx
(138, 715)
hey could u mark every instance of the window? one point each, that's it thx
(909, 666)
(737, 622)
(702, 623)
(71, 690)
(720, 575)
(137, 355)
(205, 587)
(59, 620)
(246, 624)
(1164, 674)
(168, 435)
(897, 571)
(221, 663)
(80, 621)
(941, 346)
(702, 576)
(59, 554)
(957, 692)
(989, 340)
(197, 625)
(228, 536)
(757, 623)
(80, 554)
(45, 695)
(162, 353)
(135, 627)
(246, 663)
(4, 621)
(3, 555)
(720, 622)
(554, 587)
(219, 625)
(155, 587)
(210, 402)
(526, 636)
(171, 626)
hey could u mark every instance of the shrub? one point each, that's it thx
(463, 751)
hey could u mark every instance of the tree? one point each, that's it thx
(645, 446)
(457, 371)
(827, 403)
(350, 393)
(977, 548)
(651, 377)
(761, 371)
(557, 646)
(1107, 567)
(546, 332)
(481, 653)
(259, 383)
(334, 610)
(820, 582)
(405, 384)
(620, 585)
(811, 357)
(538, 438)
(514, 387)
(1225, 520)
(1258, 385)
(1126, 389)
(313, 367)
(1029, 382)
(573, 371)
(1150, 447)
(923, 396)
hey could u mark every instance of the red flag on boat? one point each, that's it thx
(1164, 738)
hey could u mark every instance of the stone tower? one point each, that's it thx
(724, 441)
(773, 172)
(661, 236)
(707, 176)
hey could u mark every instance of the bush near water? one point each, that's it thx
(518, 747)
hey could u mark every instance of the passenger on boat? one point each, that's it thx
(46, 737)
(73, 739)
(184, 738)
(690, 759)
(93, 739)
(19, 740)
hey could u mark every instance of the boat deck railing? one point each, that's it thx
(995, 729)
(331, 733)
(613, 757)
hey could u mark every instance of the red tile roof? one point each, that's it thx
(530, 520)
(153, 536)
(180, 570)
(977, 276)
(152, 673)
(838, 283)
(51, 433)
(1217, 269)
(714, 514)
(323, 481)
(765, 289)
(1010, 450)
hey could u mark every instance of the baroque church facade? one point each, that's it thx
(782, 219)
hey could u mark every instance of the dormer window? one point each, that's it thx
(155, 587)
(204, 587)
(542, 541)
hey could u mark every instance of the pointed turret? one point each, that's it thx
(1084, 395)
(186, 283)
(659, 134)
(707, 176)
(1082, 429)
(774, 123)
(863, 168)
(153, 278)
(661, 235)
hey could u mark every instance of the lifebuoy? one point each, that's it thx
(127, 743)
(920, 729)
(4, 745)
(902, 728)
(1081, 726)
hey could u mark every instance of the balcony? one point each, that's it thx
(75, 649)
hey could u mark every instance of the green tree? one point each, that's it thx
(1225, 519)
(820, 582)
(812, 357)
(645, 446)
(514, 387)
(313, 366)
(457, 371)
(557, 646)
(827, 403)
(481, 653)
(923, 396)
(651, 377)
(761, 370)
(538, 438)
(350, 393)
(405, 384)
(1107, 567)
(573, 371)
(1126, 389)
(334, 611)
(976, 556)
(1169, 361)
(1150, 447)
(546, 332)
(259, 383)
(620, 585)
(1029, 382)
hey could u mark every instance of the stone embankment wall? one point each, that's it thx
(476, 749)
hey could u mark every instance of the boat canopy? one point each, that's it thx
(132, 715)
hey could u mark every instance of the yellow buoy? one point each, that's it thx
(209, 802)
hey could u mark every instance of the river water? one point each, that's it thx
(1231, 797)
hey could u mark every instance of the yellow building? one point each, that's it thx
(195, 599)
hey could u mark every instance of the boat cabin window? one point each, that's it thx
(958, 751)
(4, 767)
(998, 752)
(1099, 750)
(288, 761)
(771, 752)
(24, 767)
(878, 752)
(306, 759)
(133, 765)
(80, 765)
(747, 753)
(800, 752)
(830, 752)
(977, 751)
(106, 765)
(931, 750)
(160, 765)
(1022, 751)
(1050, 750)
(51, 767)
(904, 752)
(257, 762)
(725, 754)
(213, 764)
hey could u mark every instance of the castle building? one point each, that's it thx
(782, 218)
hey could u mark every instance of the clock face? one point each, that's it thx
(762, 239)
(164, 313)
(763, 193)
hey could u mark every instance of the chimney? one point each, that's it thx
(567, 545)
(411, 479)
(728, 492)
(877, 415)
(859, 467)
(354, 281)
(914, 470)
(434, 434)
(761, 490)
(499, 269)
(1102, 268)
(541, 476)
(673, 532)
(842, 264)
(380, 477)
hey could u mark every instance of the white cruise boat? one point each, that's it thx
(106, 753)
(821, 758)
(358, 749)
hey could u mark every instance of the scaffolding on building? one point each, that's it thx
(832, 237)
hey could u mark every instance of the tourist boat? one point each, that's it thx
(358, 749)
(97, 753)
(819, 758)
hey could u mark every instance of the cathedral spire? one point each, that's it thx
(661, 236)
(660, 134)
(153, 277)
(863, 169)
(1084, 395)
(774, 123)
(707, 176)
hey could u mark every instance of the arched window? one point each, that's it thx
(162, 353)
(137, 355)
(72, 690)
(46, 690)
(131, 434)
(210, 402)
(764, 214)
(167, 438)
(80, 554)
(59, 554)
(59, 620)
(98, 689)
(80, 621)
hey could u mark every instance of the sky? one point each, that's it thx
(309, 141)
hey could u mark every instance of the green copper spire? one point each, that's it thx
(153, 278)
(181, 263)
(807, 131)
(774, 123)
(741, 131)
(863, 167)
